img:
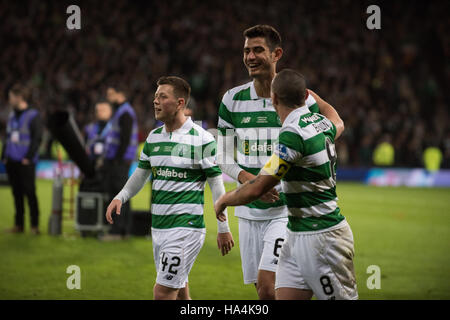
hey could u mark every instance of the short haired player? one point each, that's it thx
(247, 115)
(317, 256)
(180, 155)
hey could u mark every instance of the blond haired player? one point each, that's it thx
(181, 157)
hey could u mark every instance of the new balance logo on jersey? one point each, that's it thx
(246, 119)
(274, 261)
(156, 149)
(168, 277)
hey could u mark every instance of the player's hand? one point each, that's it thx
(270, 196)
(219, 207)
(114, 206)
(25, 161)
(225, 242)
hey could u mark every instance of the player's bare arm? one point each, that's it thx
(328, 111)
(246, 193)
(270, 196)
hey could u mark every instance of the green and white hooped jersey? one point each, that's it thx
(305, 161)
(180, 162)
(256, 126)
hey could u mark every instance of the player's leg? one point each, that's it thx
(266, 285)
(273, 237)
(251, 248)
(293, 294)
(176, 251)
(290, 284)
(192, 244)
(183, 293)
(161, 292)
(328, 264)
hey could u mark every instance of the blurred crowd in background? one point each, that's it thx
(389, 85)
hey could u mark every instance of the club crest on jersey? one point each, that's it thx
(180, 150)
(278, 121)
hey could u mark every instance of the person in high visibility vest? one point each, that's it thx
(384, 153)
(432, 158)
(121, 144)
(95, 133)
(20, 155)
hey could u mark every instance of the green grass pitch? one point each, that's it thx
(404, 231)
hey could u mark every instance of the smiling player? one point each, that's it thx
(247, 115)
(317, 257)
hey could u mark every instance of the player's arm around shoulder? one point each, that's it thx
(328, 111)
(246, 193)
(269, 176)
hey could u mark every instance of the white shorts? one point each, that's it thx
(174, 252)
(260, 243)
(321, 262)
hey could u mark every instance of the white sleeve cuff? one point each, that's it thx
(218, 189)
(232, 170)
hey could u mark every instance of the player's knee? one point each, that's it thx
(265, 291)
(266, 285)
(159, 295)
(183, 294)
(164, 293)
